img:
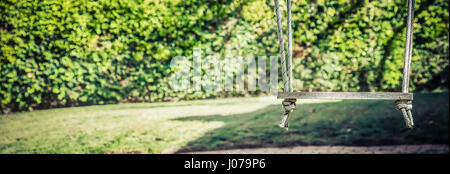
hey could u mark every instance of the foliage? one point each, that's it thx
(57, 53)
(359, 45)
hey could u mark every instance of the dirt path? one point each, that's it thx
(395, 149)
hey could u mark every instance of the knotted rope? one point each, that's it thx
(288, 104)
(406, 106)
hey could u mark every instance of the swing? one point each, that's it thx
(403, 100)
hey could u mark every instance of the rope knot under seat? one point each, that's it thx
(405, 106)
(288, 106)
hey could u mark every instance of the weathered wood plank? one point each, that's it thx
(347, 95)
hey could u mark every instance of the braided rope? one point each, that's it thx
(289, 31)
(288, 104)
(281, 42)
(408, 46)
(406, 105)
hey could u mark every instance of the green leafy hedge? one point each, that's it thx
(58, 53)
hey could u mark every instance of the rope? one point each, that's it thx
(408, 46)
(405, 106)
(289, 31)
(281, 42)
(288, 104)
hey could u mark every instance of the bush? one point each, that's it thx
(57, 53)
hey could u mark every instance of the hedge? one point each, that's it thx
(59, 53)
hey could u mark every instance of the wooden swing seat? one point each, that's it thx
(347, 95)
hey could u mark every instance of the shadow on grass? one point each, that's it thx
(339, 123)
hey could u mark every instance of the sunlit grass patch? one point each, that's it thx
(221, 124)
(122, 128)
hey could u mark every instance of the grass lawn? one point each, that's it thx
(221, 124)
